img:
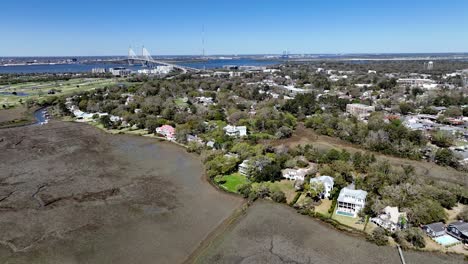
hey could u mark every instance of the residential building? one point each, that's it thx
(161, 69)
(294, 174)
(194, 138)
(244, 168)
(204, 100)
(98, 70)
(235, 131)
(390, 219)
(459, 230)
(120, 71)
(167, 131)
(351, 201)
(419, 82)
(327, 182)
(434, 229)
(359, 110)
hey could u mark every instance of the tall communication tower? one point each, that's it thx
(203, 40)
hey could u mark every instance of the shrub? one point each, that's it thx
(463, 215)
(379, 237)
(278, 196)
(413, 236)
(245, 190)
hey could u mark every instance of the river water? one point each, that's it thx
(39, 115)
(76, 68)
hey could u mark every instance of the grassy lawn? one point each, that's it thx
(370, 227)
(232, 182)
(304, 200)
(349, 221)
(323, 207)
(284, 185)
(39, 91)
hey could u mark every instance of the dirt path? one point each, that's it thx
(304, 136)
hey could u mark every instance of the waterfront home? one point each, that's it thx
(327, 182)
(350, 201)
(167, 131)
(194, 138)
(459, 230)
(434, 229)
(235, 131)
(390, 219)
(244, 168)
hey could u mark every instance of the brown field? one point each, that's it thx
(70, 193)
(19, 115)
(304, 136)
(275, 233)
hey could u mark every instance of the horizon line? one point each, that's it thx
(244, 54)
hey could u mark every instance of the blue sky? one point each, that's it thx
(108, 27)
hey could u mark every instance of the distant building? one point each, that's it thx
(418, 82)
(359, 110)
(204, 100)
(294, 90)
(162, 69)
(98, 70)
(120, 71)
(350, 202)
(252, 68)
(235, 131)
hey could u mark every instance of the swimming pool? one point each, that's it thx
(344, 213)
(446, 240)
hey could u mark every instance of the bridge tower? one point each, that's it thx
(131, 55)
(146, 56)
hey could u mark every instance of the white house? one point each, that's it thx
(390, 219)
(327, 182)
(293, 174)
(244, 168)
(235, 131)
(350, 202)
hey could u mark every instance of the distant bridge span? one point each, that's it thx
(146, 58)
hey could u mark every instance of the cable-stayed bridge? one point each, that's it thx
(146, 59)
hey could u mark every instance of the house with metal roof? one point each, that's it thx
(327, 182)
(434, 229)
(459, 230)
(350, 201)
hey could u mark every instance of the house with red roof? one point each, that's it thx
(167, 131)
